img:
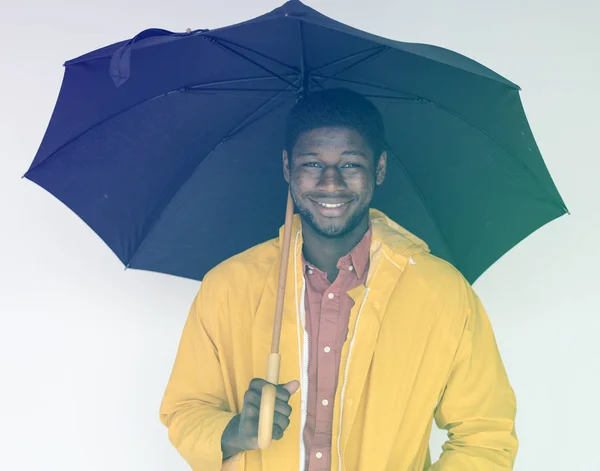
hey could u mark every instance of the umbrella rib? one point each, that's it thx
(232, 81)
(424, 201)
(420, 99)
(304, 80)
(231, 92)
(311, 79)
(408, 99)
(372, 85)
(264, 56)
(227, 48)
(361, 61)
(398, 98)
(154, 217)
(400, 46)
(108, 118)
(343, 59)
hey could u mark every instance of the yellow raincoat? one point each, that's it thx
(420, 346)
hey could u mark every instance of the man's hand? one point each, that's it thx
(242, 431)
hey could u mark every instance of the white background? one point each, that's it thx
(86, 348)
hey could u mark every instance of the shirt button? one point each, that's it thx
(327, 349)
(324, 402)
(331, 295)
(350, 268)
(310, 272)
(319, 455)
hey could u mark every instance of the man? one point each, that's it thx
(379, 337)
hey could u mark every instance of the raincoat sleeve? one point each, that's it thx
(478, 406)
(195, 407)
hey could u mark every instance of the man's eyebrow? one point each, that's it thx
(306, 154)
(355, 152)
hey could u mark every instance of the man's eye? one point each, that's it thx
(310, 164)
(352, 166)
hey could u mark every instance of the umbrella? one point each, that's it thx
(163, 144)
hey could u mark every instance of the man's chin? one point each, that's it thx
(331, 230)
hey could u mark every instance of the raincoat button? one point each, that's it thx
(319, 455)
(331, 295)
(324, 402)
(376, 305)
(327, 349)
(350, 268)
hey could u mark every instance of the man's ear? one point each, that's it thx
(286, 166)
(381, 168)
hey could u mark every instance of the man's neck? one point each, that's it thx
(324, 252)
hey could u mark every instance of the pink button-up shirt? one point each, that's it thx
(328, 308)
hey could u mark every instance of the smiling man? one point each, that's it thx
(379, 338)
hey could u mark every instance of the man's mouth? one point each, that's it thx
(332, 208)
(331, 205)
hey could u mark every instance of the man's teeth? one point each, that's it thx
(327, 205)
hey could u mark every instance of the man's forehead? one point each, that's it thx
(331, 137)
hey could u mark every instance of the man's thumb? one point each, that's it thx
(292, 386)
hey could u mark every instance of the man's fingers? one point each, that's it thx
(292, 386)
(251, 411)
(257, 384)
(283, 408)
(252, 397)
(284, 391)
(281, 420)
(277, 432)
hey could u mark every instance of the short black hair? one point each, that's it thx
(338, 107)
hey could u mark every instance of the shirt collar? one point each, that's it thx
(358, 256)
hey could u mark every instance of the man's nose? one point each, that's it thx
(331, 178)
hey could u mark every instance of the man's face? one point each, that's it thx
(332, 174)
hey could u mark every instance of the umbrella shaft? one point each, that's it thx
(285, 255)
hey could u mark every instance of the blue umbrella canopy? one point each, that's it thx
(168, 145)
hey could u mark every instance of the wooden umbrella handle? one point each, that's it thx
(269, 392)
